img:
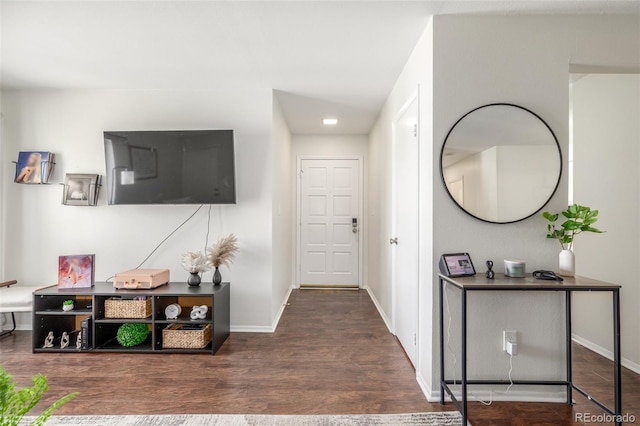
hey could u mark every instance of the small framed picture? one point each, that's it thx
(80, 189)
(76, 271)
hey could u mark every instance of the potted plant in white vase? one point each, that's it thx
(195, 263)
(579, 219)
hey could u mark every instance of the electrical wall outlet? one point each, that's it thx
(509, 336)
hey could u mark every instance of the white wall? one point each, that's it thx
(463, 62)
(331, 146)
(606, 120)
(522, 60)
(282, 210)
(416, 78)
(38, 228)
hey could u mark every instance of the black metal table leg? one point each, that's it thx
(617, 370)
(8, 332)
(569, 349)
(464, 357)
(441, 296)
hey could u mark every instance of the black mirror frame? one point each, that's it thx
(555, 189)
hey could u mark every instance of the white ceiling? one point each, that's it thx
(325, 58)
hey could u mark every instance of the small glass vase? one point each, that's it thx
(217, 278)
(194, 279)
(567, 263)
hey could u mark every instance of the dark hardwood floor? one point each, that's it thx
(331, 354)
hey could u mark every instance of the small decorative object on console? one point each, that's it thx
(514, 268)
(76, 271)
(64, 340)
(67, 305)
(490, 274)
(132, 334)
(456, 265)
(579, 219)
(222, 253)
(195, 262)
(79, 340)
(48, 341)
(199, 312)
(172, 311)
(141, 279)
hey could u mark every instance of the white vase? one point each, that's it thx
(567, 263)
(67, 308)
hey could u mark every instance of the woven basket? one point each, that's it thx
(129, 309)
(174, 337)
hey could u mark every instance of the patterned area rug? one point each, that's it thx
(422, 419)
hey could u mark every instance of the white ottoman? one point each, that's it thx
(15, 298)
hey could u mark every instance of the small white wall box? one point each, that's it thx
(514, 268)
(141, 279)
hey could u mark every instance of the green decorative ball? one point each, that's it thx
(132, 334)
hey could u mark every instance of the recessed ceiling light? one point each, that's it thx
(330, 121)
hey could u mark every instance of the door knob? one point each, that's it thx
(393, 241)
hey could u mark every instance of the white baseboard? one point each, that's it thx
(265, 328)
(251, 329)
(283, 305)
(426, 389)
(627, 363)
(485, 395)
(23, 321)
(379, 308)
(514, 395)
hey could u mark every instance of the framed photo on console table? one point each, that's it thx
(76, 271)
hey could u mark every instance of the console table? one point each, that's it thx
(502, 283)
(89, 314)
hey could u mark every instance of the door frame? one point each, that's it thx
(361, 219)
(414, 96)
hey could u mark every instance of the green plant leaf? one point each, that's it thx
(571, 225)
(596, 230)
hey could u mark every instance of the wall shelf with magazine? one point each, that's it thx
(81, 189)
(34, 167)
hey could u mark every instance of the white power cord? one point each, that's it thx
(455, 360)
(453, 354)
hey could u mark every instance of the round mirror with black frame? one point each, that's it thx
(501, 163)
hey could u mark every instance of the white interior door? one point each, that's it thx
(405, 242)
(329, 223)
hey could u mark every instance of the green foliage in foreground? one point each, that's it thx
(16, 404)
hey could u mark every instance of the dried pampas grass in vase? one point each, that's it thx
(195, 262)
(222, 253)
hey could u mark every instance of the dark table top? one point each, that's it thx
(502, 282)
(106, 289)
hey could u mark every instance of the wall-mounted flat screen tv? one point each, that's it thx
(170, 167)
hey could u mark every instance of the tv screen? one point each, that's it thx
(170, 167)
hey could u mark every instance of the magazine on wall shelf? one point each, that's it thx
(81, 189)
(34, 167)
